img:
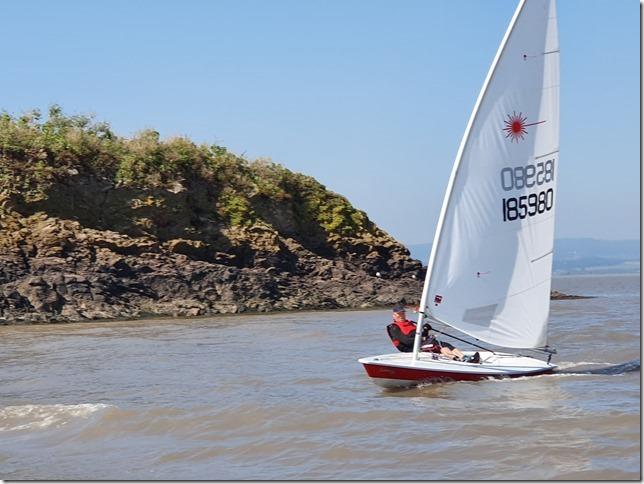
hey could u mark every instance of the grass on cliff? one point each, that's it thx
(36, 152)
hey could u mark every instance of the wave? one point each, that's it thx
(564, 365)
(611, 369)
(34, 417)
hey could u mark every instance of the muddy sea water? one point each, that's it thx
(281, 396)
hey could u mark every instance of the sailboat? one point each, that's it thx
(490, 267)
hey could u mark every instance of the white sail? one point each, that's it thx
(490, 268)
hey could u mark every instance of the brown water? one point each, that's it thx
(282, 397)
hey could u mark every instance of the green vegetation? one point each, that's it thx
(37, 153)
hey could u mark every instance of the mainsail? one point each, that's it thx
(490, 267)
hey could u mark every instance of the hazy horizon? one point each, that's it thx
(577, 255)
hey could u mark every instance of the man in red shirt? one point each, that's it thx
(403, 336)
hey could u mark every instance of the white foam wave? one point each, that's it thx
(564, 365)
(32, 417)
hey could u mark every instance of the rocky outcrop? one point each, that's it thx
(57, 270)
(560, 296)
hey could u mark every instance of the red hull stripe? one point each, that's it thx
(416, 374)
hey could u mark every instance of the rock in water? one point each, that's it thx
(558, 296)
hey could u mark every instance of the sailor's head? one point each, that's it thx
(399, 311)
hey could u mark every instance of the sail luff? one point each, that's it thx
(424, 308)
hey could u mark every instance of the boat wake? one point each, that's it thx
(619, 369)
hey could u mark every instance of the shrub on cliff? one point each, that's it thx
(37, 153)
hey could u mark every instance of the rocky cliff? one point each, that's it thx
(93, 225)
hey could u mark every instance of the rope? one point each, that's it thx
(464, 341)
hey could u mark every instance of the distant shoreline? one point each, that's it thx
(595, 274)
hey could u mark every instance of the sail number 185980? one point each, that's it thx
(527, 205)
(521, 177)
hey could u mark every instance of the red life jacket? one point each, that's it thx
(402, 334)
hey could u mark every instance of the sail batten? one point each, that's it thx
(490, 266)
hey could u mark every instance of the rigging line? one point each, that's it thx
(537, 350)
(464, 341)
(547, 350)
(551, 52)
(455, 337)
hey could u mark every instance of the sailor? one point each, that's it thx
(402, 332)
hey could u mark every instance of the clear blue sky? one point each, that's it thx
(370, 97)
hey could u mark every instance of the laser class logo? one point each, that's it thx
(515, 126)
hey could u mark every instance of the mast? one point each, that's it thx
(423, 311)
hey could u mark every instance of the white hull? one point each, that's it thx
(400, 370)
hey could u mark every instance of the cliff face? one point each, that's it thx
(97, 226)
